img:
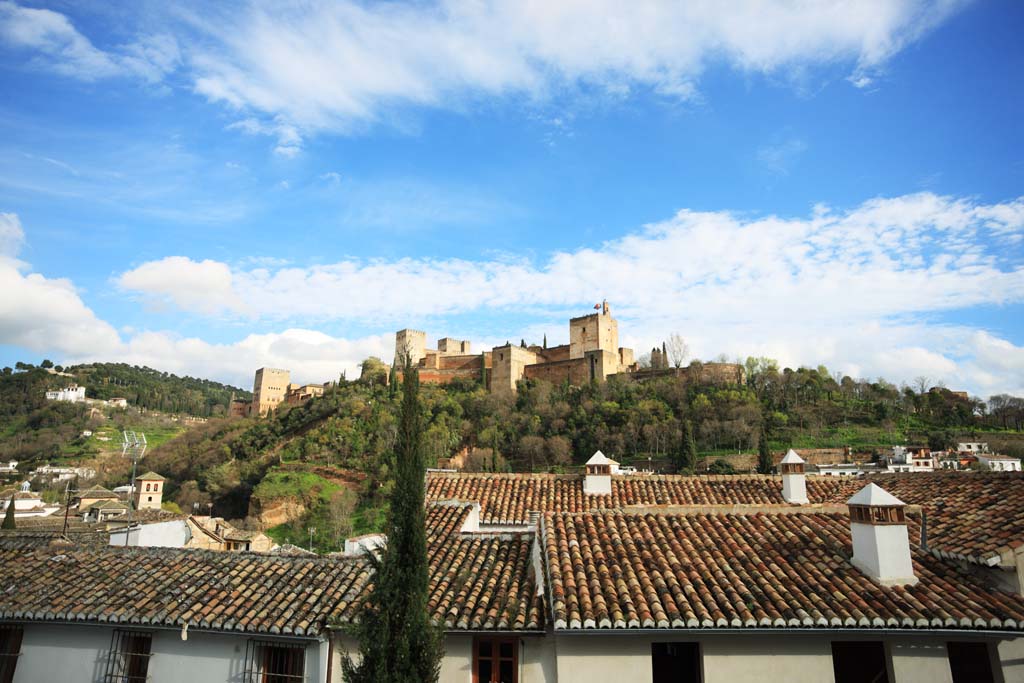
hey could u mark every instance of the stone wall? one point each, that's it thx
(508, 367)
(576, 371)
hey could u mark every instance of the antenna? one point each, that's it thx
(133, 446)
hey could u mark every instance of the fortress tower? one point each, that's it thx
(413, 342)
(594, 332)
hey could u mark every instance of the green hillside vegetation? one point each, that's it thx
(35, 431)
(545, 427)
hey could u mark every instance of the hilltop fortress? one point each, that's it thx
(592, 354)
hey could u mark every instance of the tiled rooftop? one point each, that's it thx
(615, 570)
(244, 592)
(509, 498)
(983, 513)
(477, 581)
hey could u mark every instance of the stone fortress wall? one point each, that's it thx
(592, 354)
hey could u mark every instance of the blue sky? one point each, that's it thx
(208, 192)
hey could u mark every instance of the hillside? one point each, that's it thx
(326, 464)
(36, 431)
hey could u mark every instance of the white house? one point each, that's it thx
(72, 393)
(998, 463)
(972, 447)
(10, 467)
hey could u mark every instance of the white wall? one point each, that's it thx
(57, 652)
(172, 534)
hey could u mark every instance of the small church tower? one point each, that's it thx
(149, 491)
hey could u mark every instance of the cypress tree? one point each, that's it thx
(686, 459)
(398, 641)
(764, 456)
(9, 516)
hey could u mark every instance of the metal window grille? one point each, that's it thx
(10, 650)
(128, 661)
(274, 662)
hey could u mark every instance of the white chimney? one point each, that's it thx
(598, 480)
(794, 481)
(881, 547)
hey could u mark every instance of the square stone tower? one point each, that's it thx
(594, 332)
(269, 389)
(413, 342)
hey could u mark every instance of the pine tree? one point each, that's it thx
(545, 340)
(9, 516)
(398, 642)
(686, 459)
(764, 456)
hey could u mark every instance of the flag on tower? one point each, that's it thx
(597, 307)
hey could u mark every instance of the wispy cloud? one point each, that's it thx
(295, 69)
(780, 157)
(56, 45)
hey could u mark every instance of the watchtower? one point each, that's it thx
(412, 342)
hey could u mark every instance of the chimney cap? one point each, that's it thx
(874, 495)
(599, 458)
(791, 458)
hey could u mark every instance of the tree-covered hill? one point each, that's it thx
(34, 430)
(350, 431)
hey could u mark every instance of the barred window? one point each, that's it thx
(10, 650)
(269, 661)
(129, 656)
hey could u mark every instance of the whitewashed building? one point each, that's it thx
(72, 393)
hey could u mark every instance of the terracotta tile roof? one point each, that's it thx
(509, 498)
(245, 592)
(983, 513)
(446, 518)
(477, 582)
(975, 516)
(616, 570)
(480, 581)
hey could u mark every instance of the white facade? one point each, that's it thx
(998, 463)
(793, 657)
(10, 467)
(54, 473)
(79, 652)
(73, 393)
(973, 447)
(171, 534)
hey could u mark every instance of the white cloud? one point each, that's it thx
(60, 47)
(779, 157)
(849, 289)
(854, 290)
(888, 257)
(11, 235)
(338, 65)
(202, 286)
(43, 313)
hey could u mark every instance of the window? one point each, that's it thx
(274, 662)
(129, 657)
(970, 662)
(860, 662)
(10, 650)
(495, 660)
(147, 486)
(676, 662)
